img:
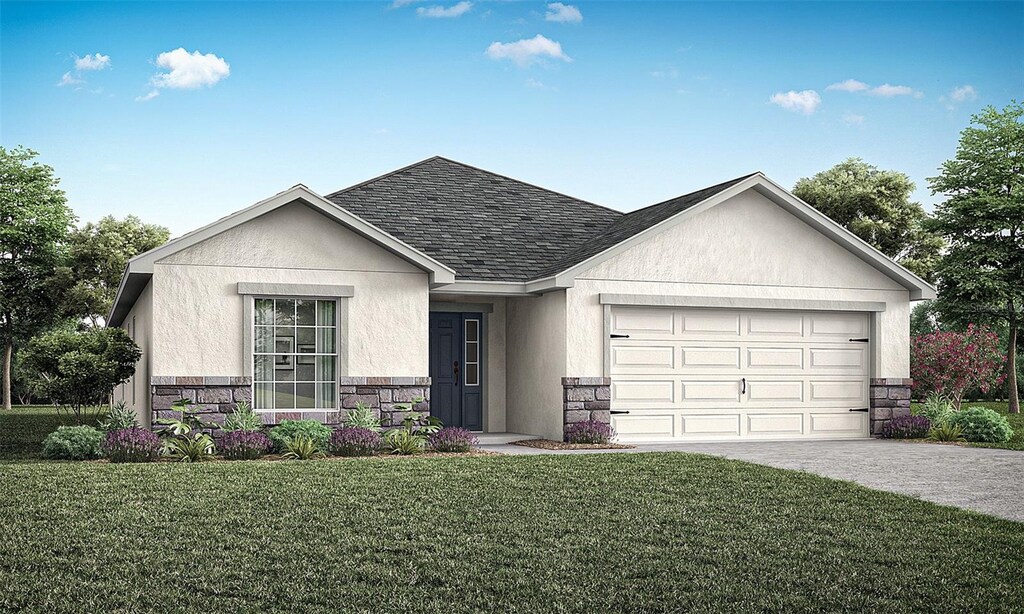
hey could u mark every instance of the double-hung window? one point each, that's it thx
(295, 354)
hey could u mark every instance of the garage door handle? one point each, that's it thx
(614, 336)
(860, 409)
(618, 411)
(743, 385)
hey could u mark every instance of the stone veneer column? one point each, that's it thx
(890, 398)
(216, 396)
(382, 394)
(586, 398)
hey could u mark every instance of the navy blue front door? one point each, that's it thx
(456, 369)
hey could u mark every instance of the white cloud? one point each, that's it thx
(189, 70)
(527, 51)
(150, 96)
(853, 119)
(68, 79)
(397, 4)
(805, 102)
(455, 10)
(563, 13)
(850, 85)
(96, 61)
(889, 91)
(963, 93)
(666, 72)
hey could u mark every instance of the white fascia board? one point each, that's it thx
(482, 288)
(919, 289)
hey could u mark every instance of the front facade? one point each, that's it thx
(735, 312)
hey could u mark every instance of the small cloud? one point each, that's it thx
(397, 4)
(850, 85)
(527, 51)
(805, 102)
(889, 91)
(959, 94)
(69, 79)
(455, 10)
(531, 82)
(853, 119)
(563, 13)
(189, 70)
(96, 61)
(666, 72)
(150, 96)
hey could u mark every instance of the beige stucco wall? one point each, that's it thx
(746, 247)
(138, 325)
(536, 363)
(198, 317)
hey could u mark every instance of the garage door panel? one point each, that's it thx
(720, 374)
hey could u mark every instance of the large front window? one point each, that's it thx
(295, 353)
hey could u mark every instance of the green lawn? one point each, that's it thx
(23, 429)
(586, 533)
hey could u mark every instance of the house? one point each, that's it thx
(734, 312)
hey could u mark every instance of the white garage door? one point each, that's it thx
(711, 374)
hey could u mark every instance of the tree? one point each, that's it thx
(981, 277)
(875, 205)
(79, 369)
(954, 363)
(925, 318)
(98, 255)
(34, 223)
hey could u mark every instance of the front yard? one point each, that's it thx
(611, 532)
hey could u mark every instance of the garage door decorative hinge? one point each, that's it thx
(860, 340)
(614, 336)
(864, 409)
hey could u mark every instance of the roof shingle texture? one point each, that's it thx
(488, 227)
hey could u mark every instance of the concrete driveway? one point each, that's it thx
(979, 479)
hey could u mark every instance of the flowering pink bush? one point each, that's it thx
(952, 363)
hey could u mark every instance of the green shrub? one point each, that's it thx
(946, 432)
(119, 418)
(404, 442)
(313, 430)
(243, 419)
(936, 408)
(192, 448)
(73, 443)
(362, 417)
(982, 424)
(301, 447)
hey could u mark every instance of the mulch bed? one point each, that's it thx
(548, 444)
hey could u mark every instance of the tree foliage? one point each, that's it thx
(951, 364)
(981, 277)
(79, 369)
(875, 205)
(34, 224)
(98, 255)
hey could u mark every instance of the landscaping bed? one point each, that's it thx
(549, 444)
(608, 532)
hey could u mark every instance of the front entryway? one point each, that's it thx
(456, 369)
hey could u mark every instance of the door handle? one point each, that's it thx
(455, 371)
(743, 385)
(863, 409)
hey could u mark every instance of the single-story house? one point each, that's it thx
(736, 312)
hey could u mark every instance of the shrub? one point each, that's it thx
(590, 431)
(953, 363)
(193, 448)
(452, 439)
(301, 447)
(73, 443)
(120, 418)
(405, 442)
(131, 445)
(244, 445)
(936, 408)
(243, 419)
(907, 427)
(982, 424)
(354, 441)
(362, 417)
(313, 430)
(946, 432)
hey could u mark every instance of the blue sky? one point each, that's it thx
(624, 104)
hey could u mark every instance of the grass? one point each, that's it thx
(608, 532)
(23, 429)
(1016, 421)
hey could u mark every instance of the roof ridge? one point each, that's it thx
(704, 189)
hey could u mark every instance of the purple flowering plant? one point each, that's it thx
(134, 445)
(245, 445)
(452, 439)
(590, 431)
(907, 427)
(354, 441)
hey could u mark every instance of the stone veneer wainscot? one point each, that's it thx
(215, 396)
(890, 398)
(586, 398)
(385, 394)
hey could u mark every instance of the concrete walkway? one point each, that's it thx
(979, 479)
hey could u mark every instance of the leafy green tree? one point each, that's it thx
(98, 255)
(875, 205)
(925, 318)
(76, 369)
(34, 224)
(981, 278)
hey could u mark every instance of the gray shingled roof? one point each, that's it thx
(489, 227)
